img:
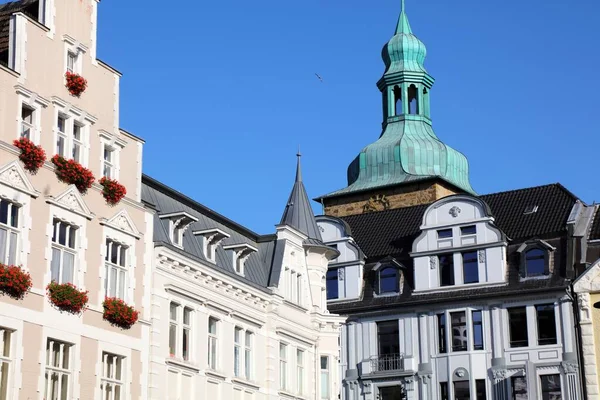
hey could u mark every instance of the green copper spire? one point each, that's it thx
(408, 150)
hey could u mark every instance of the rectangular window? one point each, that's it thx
(441, 333)
(444, 233)
(237, 351)
(173, 311)
(459, 331)
(27, 122)
(186, 333)
(462, 390)
(470, 267)
(517, 321)
(9, 232)
(108, 168)
(480, 389)
(468, 230)
(116, 269)
(551, 388)
(111, 384)
(58, 370)
(477, 330)
(388, 337)
(61, 136)
(446, 270)
(64, 237)
(519, 388)
(300, 371)
(324, 377)
(248, 355)
(444, 391)
(77, 142)
(5, 361)
(332, 284)
(71, 61)
(282, 366)
(212, 343)
(546, 324)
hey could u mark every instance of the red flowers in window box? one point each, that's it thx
(112, 190)
(118, 313)
(31, 156)
(14, 282)
(73, 173)
(66, 297)
(76, 84)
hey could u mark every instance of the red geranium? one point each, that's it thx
(14, 282)
(76, 84)
(66, 297)
(31, 156)
(73, 173)
(112, 190)
(118, 313)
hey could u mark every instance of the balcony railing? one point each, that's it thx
(387, 362)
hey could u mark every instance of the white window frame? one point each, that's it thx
(238, 336)
(213, 344)
(122, 271)
(108, 164)
(111, 232)
(62, 135)
(59, 369)
(115, 144)
(6, 359)
(283, 366)
(78, 143)
(327, 374)
(109, 379)
(300, 371)
(13, 233)
(248, 355)
(78, 50)
(25, 125)
(29, 99)
(73, 117)
(71, 229)
(180, 328)
(243, 362)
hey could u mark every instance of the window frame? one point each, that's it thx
(109, 164)
(31, 126)
(64, 248)
(446, 233)
(464, 230)
(300, 353)
(396, 278)
(6, 360)
(72, 119)
(13, 232)
(122, 271)
(453, 347)
(332, 275)
(180, 332)
(477, 325)
(513, 344)
(213, 344)
(543, 255)
(451, 266)
(546, 341)
(474, 260)
(283, 367)
(395, 331)
(541, 383)
(325, 377)
(106, 380)
(442, 335)
(60, 370)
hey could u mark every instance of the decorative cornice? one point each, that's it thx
(34, 97)
(13, 175)
(123, 223)
(111, 138)
(71, 200)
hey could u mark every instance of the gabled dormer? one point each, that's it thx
(240, 253)
(388, 277)
(211, 238)
(178, 223)
(535, 259)
(459, 246)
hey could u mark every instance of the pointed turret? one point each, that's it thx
(298, 213)
(403, 26)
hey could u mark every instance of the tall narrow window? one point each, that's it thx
(477, 330)
(9, 232)
(300, 371)
(442, 333)
(212, 343)
(71, 61)
(519, 388)
(111, 383)
(398, 100)
(116, 269)
(332, 284)
(388, 280)
(61, 135)
(446, 270)
(108, 168)
(470, 267)
(546, 324)
(480, 389)
(299, 289)
(388, 338)
(248, 355)
(459, 331)
(551, 387)
(62, 267)
(444, 391)
(77, 142)
(237, 351)
(58, 370)
(27, 122)
(324, 377)
(517, 321)
(535, 262)
(283, 366)
(413, 100)
(173, 311)
(186, 333)
(5, 361)
(462, 390)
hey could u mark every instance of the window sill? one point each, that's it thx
(245, 382)
(182, 364)
(215, 374)
(294, 305)
(534, 347)
(289, 395)
(459, 287)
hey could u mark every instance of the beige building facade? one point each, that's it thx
(53, 231)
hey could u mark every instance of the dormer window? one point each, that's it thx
(241, 252)
(211, 239)
(178, 224)
(535, 258)
(388, 280)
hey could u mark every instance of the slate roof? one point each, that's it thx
(28, 7)
(595, 230)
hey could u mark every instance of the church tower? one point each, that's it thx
(408, 165)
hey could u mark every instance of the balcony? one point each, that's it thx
(387, 362)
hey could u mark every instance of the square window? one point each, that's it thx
(468, 230)
(444, 233)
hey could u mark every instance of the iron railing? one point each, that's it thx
(387, 362)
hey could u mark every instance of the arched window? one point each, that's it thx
(413, 100)
(398, 100)
(388, 280)
(535, 262)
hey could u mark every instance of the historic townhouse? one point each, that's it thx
(450, 295)
(64, 231)
(236, 315)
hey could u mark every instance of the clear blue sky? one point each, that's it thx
(224, 91)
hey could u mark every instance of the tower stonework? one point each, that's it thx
(408, 165)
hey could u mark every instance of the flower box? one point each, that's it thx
(66, 297)
(75, 83)
(118, 313)
(112, 190)
(73, 173)
(31, 156)
(14, 282)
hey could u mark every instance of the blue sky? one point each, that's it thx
(224, 91)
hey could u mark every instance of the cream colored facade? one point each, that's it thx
(32, 98)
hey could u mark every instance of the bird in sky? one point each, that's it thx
(319, 77)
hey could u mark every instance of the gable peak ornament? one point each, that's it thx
(454, 211)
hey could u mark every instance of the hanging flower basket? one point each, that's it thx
(118, 313)
(112, 190)
(31, 156)
(14, 282)
(73, 173)
(66, 297)
(75, 83)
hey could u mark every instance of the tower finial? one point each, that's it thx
(403, 25)
(402, 5)
(298, 167)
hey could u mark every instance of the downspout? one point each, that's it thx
(578, 339)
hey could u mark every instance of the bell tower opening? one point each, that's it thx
(398, 101)
(413, 100)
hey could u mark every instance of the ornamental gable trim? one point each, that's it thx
(13, 175)
(71, 200)
(122, 222)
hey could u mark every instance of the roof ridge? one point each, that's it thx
(526, 188)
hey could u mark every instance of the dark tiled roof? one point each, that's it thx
(391, 232)
(595, 231)
(6, 10)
